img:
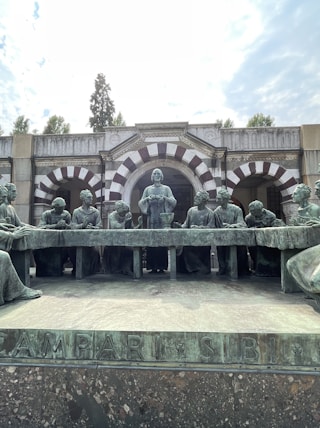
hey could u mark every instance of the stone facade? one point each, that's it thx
(253, 163)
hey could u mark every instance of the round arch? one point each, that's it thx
(52, 181)
(157, 153)
(283, 179)
(137, 174)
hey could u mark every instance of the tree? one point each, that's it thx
(259, 119)
(228, 123)
(101, 106)
(118, 120)
(1, 130)
(20, 126)
(56, 125)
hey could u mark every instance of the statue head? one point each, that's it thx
(122, 208)
(12, 191)
(58, 204)
(156, 174)
(223, 195)
(255, 208)
(302, 192)
(201, 197)
(86, 196)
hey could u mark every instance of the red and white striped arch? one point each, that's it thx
(190, 158)
(284, 179)
(50, 183)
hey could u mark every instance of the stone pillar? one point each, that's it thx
(22, 151)
(310, 143)
(108, 207)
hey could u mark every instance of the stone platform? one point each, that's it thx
(201, 351)
(207, 303)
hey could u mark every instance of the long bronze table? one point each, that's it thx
(289, 240)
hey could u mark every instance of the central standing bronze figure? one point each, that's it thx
(157, 199)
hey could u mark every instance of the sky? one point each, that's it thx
(192, 61)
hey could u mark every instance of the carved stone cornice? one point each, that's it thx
(263, 156)
(66, 161)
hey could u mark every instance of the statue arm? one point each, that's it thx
(170, 200)
(6, 239)
(44, 222)
(98, 220)
(3, 213)
(238, 221)
(114, 223)
(211, 222)
(95, 224)
(77, 220)
(144, 202)
(16, 219)
(67, 219)
(187, 222)
(217, 221)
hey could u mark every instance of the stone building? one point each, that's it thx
(254, 163)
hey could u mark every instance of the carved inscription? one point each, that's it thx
(134, 348)
(107, 350)
(174, 347)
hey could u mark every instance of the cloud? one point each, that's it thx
(280, 76)
(190, 61)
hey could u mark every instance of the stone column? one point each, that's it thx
(310, 143)
(22, 151)
(108, 207)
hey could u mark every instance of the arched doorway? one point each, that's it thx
(181, 188)
(261, 188)
(70, 192)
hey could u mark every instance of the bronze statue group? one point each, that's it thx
(156, 202)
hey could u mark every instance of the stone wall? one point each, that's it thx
(206, 155)
(310, 144)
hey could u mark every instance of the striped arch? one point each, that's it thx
(162, 151)
(51, 182)
(285, 180)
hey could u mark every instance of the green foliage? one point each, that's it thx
(228, 123)
(101, 106)
(20, 126)
(56, 125)
(259, 119)
(118, 120)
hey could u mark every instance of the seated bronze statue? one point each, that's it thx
(50, 261)
(86, 217)
(120, 259)
(265, 260)
(307, 211)
(11, 287)
(228, 215)
(197, 259)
